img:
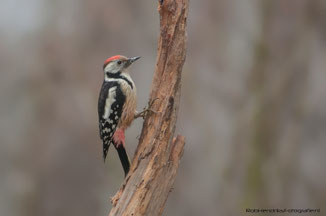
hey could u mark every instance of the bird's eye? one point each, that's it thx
(119, 62)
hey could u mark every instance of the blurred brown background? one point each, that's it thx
(253, 105)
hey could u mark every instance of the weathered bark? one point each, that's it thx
(154, 166)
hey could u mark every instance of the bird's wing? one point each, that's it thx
(110, 106)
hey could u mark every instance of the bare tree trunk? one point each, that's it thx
(154, 166)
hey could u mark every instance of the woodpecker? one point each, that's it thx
(117, 105)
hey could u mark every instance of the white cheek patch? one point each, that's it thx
(109, 101)
(112, 67)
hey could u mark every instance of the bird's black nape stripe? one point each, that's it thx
(118, 76)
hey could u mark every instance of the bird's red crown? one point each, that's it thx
(107, 61)
(112, 58)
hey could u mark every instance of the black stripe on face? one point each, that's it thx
(118, 76)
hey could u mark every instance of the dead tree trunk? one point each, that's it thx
(154, 166)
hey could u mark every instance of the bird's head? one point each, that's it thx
(117, 64)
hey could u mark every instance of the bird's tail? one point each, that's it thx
(123, 158)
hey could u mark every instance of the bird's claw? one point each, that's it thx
(144, 113)
(146, 110)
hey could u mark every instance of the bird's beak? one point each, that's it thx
(132, 60)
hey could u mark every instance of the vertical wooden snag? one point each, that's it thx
(154, 166)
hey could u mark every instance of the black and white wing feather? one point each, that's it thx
(110, 106)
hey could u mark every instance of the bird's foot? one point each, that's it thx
(144, 113)
(146, 110)
(119, 138)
